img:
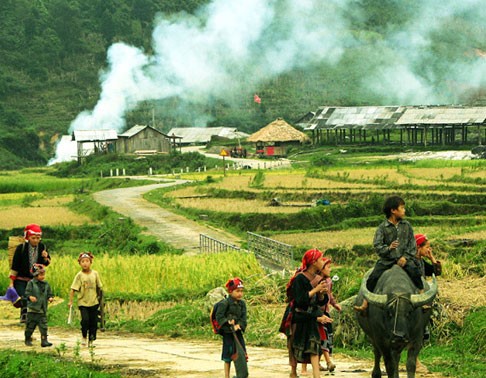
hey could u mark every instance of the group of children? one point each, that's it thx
(27, 277)
(306, 322)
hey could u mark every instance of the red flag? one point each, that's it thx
(257, 99)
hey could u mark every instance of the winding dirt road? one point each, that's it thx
(174, 229)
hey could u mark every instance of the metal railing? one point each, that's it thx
(273, 250)
(212, 245)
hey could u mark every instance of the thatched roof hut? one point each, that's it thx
(278, 131)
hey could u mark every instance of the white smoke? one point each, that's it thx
(229, 47)
(225, 47)
(416, 74)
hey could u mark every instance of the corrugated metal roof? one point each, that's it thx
(136, 129)
(133, 131)
(443, 116)
(388, 117)
(94, 135)
(355, 117)
(204, 134)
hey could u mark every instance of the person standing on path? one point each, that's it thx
(301, 323)
(87, 283)
(38, 292)
(31, 252)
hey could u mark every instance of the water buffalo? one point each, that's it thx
(395, 319)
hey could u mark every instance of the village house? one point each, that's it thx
(143, 140)
(276, 138)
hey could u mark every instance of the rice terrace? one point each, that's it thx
(445, 200)
(197, 149)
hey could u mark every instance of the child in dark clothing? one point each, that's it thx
(425, 250)
(394, 242)
(38, 293)
(427, 269)
(232, 314)
(306, 295)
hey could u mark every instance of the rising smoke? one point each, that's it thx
(230, 47)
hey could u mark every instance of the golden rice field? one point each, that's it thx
(16, 216)
(398, 177)
(347, 238)
(194, 193)
(151, 275)
(283, 182)
(231, 205)
(280, 180)
(16, 196)
(298, 180)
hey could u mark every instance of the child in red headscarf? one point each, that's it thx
(306, 295)
(87, 284)
(232, 314)
(26, 255)
(325, 327)
(424, 250)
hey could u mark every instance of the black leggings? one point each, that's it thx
(89, 321)
(410, 267)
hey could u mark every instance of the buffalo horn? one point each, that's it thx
(376, 299)
(427, 297)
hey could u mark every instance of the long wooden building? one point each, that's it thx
(412, 125)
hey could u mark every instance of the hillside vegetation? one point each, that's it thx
(53, 51)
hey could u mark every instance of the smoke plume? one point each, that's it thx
(422, 52)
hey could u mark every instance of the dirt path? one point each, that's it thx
(174, 229)
(140, 356)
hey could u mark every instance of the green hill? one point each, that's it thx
(52, 51)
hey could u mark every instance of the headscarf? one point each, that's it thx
(233, 284)
(83, 255)
(420, 239)
(309, 258)
(32, 229)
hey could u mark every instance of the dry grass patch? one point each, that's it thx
(408, 176)
(188, 191)
(329, 239)
(231, 205)
(53, 201)
(16, 196)
(297, 180)
(133, 310)
(434, 173)
(50, 215)
(363, 236)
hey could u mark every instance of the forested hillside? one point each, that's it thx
(52, 53)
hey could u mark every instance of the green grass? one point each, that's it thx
(15, 364)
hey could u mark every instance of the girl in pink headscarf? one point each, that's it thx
(305, 292)
(26, 255)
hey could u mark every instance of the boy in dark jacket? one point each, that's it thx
(232, 314)
(38, 293)
(394, 243)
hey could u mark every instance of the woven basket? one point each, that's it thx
(13, 242)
